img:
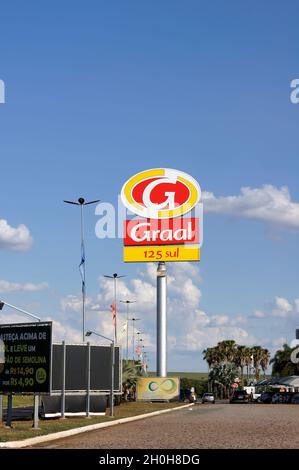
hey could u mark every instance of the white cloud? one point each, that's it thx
(282, 307)
(277, 343)
(6, 286)
(220, 320)
(16, 239)
(74, 303)
(6, 317)
(65, 333)
(296, 302)
(189, 327)
(259, 314)
(268, 203)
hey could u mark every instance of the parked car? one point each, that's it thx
(295, 399)
(266, 397)
(282, 398)
(240, 396)
(252, 392)
(208, 398)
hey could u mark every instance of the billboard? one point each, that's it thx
(162, 197)
(76, 368)
(158, 388)
(26, 357)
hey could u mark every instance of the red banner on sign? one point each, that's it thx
(177, 231)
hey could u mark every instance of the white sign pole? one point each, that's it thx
(162, 320)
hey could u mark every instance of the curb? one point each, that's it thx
(72, 432)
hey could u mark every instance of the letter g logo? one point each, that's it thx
(161, 193)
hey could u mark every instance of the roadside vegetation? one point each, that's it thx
(24, 430)
(229, 360)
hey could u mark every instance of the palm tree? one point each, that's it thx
(210, 355)
(227, 350)
(282, 364)
(258, 354)
(265, 360)
(243, 359)
(248, 360)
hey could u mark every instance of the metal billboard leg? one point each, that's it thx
(1, 408)
(63, 380)
(36, 411)
(88, 382)
(9, 410)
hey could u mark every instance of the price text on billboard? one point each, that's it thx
(26, 357)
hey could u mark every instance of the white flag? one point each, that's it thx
(123, 330)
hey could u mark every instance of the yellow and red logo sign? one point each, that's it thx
(161, 196)
(161, 193)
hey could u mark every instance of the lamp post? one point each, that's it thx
(81, 202)
(2, 303)
(115, 276)
(128, 302)
(89, 333)
(139, 340)
(134, 320)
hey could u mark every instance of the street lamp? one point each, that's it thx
(81, 202)
(128, 302)
(134, 320)
(2, 303)
(139, 340)
(89, 333)
(114, 277)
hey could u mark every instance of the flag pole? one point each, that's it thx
(115, 276)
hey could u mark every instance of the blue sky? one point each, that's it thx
(97, 91)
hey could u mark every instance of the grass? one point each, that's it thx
(24, 430)
(20, 400)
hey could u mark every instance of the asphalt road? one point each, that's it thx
(222, 425)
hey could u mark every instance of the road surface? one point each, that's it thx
(207, 426)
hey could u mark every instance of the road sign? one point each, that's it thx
(27, 357)
(133, 254)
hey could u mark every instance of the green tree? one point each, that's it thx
(241, 358)
(131, 370)
(261, 358)
(211, 356)
(227, 350)
(282, 364)
(265, 360)
(223, 374)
